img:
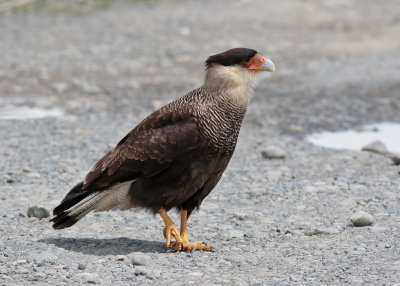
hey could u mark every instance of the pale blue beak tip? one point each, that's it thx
(268, 66)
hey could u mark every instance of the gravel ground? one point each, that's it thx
(270, 221)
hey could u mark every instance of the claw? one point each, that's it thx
(169, 231)
(181, 242)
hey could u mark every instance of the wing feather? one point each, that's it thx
(147, 150)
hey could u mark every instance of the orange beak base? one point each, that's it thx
(255, 63)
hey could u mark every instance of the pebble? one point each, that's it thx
(273, 152)
(362, 219)
(375, 147)
(24, 271)
(81, 266)
(138, 260)
(140, 271)
(395, 158)
(294, 278)
(295, 130)
(37, 212)
(33, 175)
(121, 257)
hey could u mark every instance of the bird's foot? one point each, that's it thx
(187, 246)
(170, 230)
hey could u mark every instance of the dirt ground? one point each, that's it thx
(107, 65)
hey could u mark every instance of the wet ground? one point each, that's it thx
(271, 222)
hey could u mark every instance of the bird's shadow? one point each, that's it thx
(107, 246)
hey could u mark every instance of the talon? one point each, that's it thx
(181, 242)
(195, 246)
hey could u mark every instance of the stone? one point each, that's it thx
(294, 278)
(81, 266)
(33, 175)
(139, 260)
(37, 212)
(273, 152)
(375, 147)
(362, 219)
(121, 257)
(395, 158)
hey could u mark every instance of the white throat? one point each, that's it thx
(235, 82)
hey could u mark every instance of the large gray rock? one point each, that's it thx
(362, 219)
(37, 212)
(139, 260)
(375, 147)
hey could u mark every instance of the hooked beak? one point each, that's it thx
(268, 66)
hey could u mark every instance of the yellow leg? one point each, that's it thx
(170, 229)
(185, 245)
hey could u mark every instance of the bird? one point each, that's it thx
(175, 157)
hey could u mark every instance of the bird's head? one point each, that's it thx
(236, 70)
(248, 59)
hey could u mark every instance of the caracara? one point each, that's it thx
(175, 157)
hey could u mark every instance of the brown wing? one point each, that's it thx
(147, 150)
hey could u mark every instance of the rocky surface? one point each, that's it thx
(271, 222)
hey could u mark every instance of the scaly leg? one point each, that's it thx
(185, 245)
(170, 229)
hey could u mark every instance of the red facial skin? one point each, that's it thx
(254, 64)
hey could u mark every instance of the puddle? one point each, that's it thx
(388, 133)
(26, 112)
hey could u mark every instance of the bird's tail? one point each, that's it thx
(77, 203)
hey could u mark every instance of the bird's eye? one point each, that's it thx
(245, 64)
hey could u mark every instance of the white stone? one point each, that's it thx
(362, 219)
(273, 152)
